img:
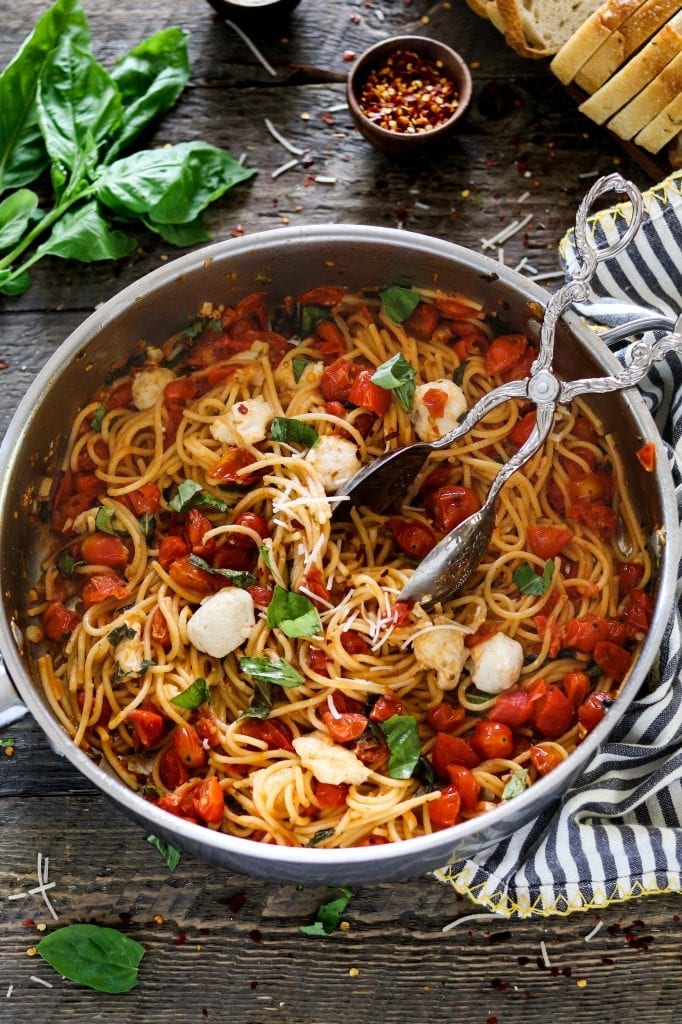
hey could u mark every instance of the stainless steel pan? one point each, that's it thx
(165, 301)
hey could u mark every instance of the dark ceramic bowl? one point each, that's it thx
(263, 15)
(393, 142)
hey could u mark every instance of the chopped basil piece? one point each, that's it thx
(262, 278)
(403, 744)
(517, 782)
(145, 664)
(96, 421)
(298, 365)
(320, 836)
(67, 564)
(458, 375)
(236, 578)
(9, 741)
(293, 613)
(261, 701)
(477, 697)
(265, 553)
(566, 652)
(147, 524)
(194, 696)
(397, 375)
(399, 303)
(171, 854)
(192, 495)
(194, 330)
(150, 792)
(424, 774)
(593, 671)
(529, 582)
(100, 958)
(123, 632)
(104, 522)
(328, 915)
(293, 431)
(266, 671)
(310, 317)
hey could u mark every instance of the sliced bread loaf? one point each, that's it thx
(578, 49)
(538, 28)
(665, 127)
(636, 74)
(625, 41)
(651, 101)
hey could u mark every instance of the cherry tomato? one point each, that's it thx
(191, 577)
(330, 796)
(414, 538)
(484, 632)
(209, 802)
(544, 758)
(437, 478)
(99, 588)
(363, 391)
(238, 557)
(548, 541)
(583, 429)
(188, 746)
(171, 548)
(504, 352)
(120, 398)
(105, 549)
(522, 429)
(637, 614)
(646, 456)
(317, 662)
(576, 685)
(159, 629)
(423, 320)
(595, 516)
(435, 400)
(451, 505)
(323, 295)
(218, 374)
(454, 310)
(275, 734)
(492, 739)
(262, 596)
(514, 707)
(591, 711)
(591, 487)
(521, 368)
(346, 727)
(146, 498)
(148, 726)
(228, 469)
(444, 810)
(386, 707)
(331, 340)
(553, 713)
(400, 612)
(449, 750)
(59, 622)
(207, 727)
(612, 660)
(573, 469)
(313, 581)
(555, 496)
(372, 752)
(548, 622)
(254, 522)
(337, 379)
(196, 525)
(466, 785)
(583, 633)
(88, 484)
(335, 409)
(171, 769)
(630, 575)
(353, 642)
(182, 389)
(445, 717)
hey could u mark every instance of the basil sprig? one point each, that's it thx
(236, 577)
(399, 303)
(397, 375)
(528, 581)
(404, 745)
(171, 854)
(328, 916)
(293, 613)
(266, 671)
(190, 495)
(91, 955)
(293, 431)
(196, 694)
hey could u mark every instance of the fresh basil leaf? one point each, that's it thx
(328, 915)
(265, 670)
(8, 741)
(310, 317)
(424, 774)
(123, 632)
(236, 578)
(477, 697)
(516, 783)
(265, 555)
(13, 282)
(298, 364)
(399, 303)
(104, 522)
(593, 671)
(96, 421)
(145, 664)
(23, 156)
(293, 431)
(83, 234)
(149, 792)
(171, 854)
(261, 701)
(404, 745)
(16, 213)
(149, 79)
(78, 106)
(194, 696)
(396, 375)
(320, 836)
(67, 564)
(458, 375)
(181, 235)
(172, 185)
(191, 495)
(100, 958)
(147, 524)
(293, 613)
(528, 582)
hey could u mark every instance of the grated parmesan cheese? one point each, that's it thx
(252, 46)
(545, 957)
(40, 981)
(296, 150)
(506, 233)
(591, 935)
(10, 990)
(470, 917)
(283, 168)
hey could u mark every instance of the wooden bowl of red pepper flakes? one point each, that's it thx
(407, 93)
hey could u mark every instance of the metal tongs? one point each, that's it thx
(450, 563)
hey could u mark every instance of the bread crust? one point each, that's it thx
(577, 50)
(651, 101)
(665, 126)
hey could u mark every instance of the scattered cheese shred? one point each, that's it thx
(323, 179)
(470, 917)
(252, 46)
(41, 981)
(545, 957)
(522, 198)
(296, 150)
(591, 935)
(42, 887)
(548, 277)
(10, 990)
(500, 255)
(506, 233)
(283, 168)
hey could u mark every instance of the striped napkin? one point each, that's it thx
(617, 833)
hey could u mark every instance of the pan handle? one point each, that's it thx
(12, 707)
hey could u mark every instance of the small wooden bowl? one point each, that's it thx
(265, 15)
(398, 143)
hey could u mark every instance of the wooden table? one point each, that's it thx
(224, 947)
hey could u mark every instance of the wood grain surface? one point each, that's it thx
(223, 947)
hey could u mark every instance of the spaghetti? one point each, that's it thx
(236, 656)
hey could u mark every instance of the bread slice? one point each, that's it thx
(578, 49)
(675, 152)
(640, 111)
(538, 28)
(624, 41)
(665, 126)
(636, 74)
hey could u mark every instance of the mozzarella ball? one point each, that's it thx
(444, 651)
(329, 762)
(496, 663)
(428, 427)
(148, 386)
(247, 421)
(336, 459)
(129, 653)
(222, 622)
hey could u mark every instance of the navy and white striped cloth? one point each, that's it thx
(617, 833)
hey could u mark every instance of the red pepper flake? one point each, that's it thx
(237, 232)
(647, 456)
(236, 902)
(28, 923)
(180, 939)
(348, 55)
(409, 95)
(4, 365)
(328, 119)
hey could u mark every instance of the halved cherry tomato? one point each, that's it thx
(59, 622)
(595, 516)
(313, 581)
(262, 596)
(364, 392)
(451, 505)
(573, 469)
(335, 409)
(400, 612)
(553, 713)
(148, 726)
(637, 614)
(330, 796)
(492, 739)
(646, 456)
(182, 389)
(445, 717)
(209, 801)
(346, 728)
(353, 642)
(323, 295)
(576, 686)
(217, 374)
(372, 752)
(254, 522)
(120, 398)
(583, 429)
(385, 707)
(466, 785)
(171, 548)
(548, 541)
(414, 538)
(438, 477)
(504, 352)
(191, 577)
(544, 758)
(513, 707)
(555, 496)
(484, 632)
(584, 632)
(591, 711)
(612, 660)
(548, 622)
(196, 525)
(331, 340)
(454, 310)
(522, 429)
(337, 379)
(435, 400)
(159, 629)
(444, 810)
(188, 746)
(423, 320)
(228, 468)
(317, 661)
(207, 727)
(629, 577)
(275, 734)
(105, 549)
(521, 368)
(144, 499)
(99, 588)
(449, 750)
(591, 487)
(171, 769)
